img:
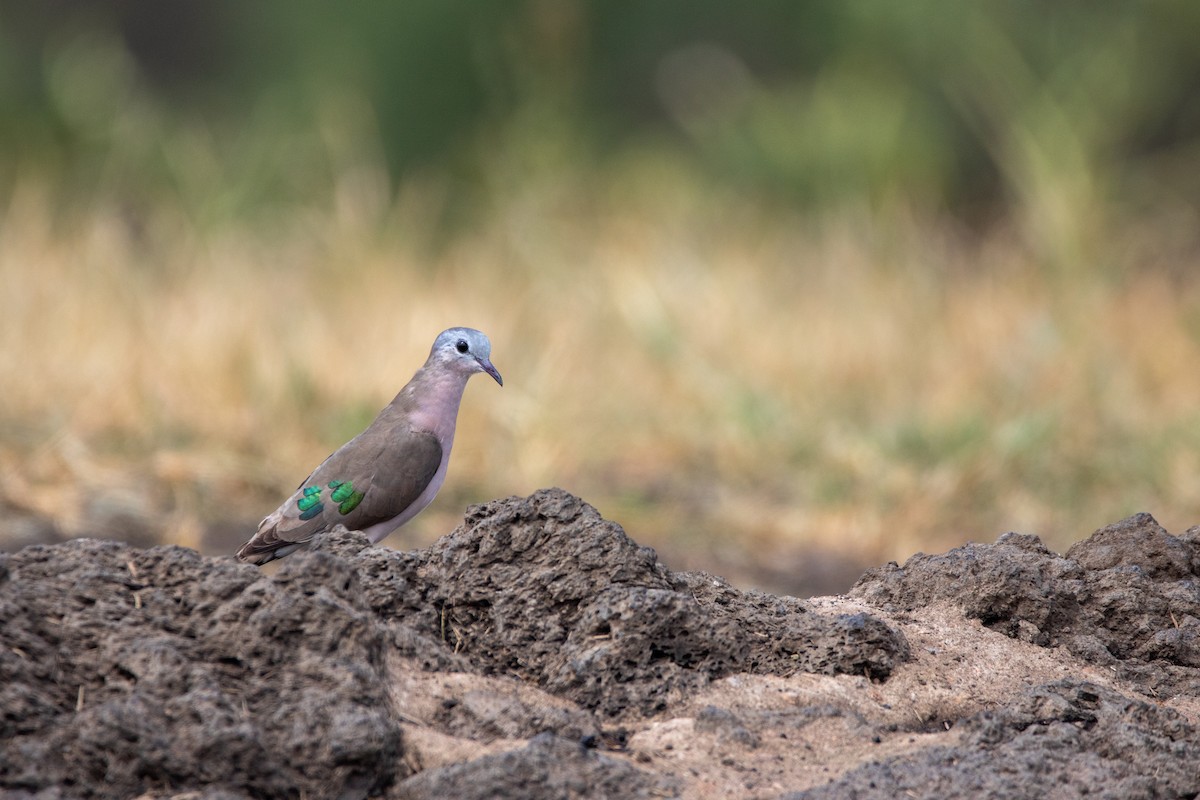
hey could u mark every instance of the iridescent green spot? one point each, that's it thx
(345, 495)
(312, 512)
(351, 502)
(312, 497)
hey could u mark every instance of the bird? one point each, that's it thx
(389, 473)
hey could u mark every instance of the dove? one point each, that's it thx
(389, 473)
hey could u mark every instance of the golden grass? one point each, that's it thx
(715, 374)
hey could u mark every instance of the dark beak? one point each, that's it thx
(490, 370)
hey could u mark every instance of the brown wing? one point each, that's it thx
(372, 478)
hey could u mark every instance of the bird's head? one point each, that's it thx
(465, 349)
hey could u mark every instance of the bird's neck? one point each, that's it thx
(431, 400)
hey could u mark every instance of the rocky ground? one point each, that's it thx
(538, 652)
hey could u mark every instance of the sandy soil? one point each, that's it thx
(539, 652)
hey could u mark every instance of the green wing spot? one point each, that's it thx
(351, 502)
(312, 497)
(312, 512)
(345, 496)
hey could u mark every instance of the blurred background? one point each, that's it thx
(786, 289)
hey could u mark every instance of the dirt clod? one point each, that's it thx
(548, 768)
(1128, 596)
(125, 669)
(1065, 739)
(545, 589)
(538, 651)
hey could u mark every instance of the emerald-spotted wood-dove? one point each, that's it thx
(386, 475)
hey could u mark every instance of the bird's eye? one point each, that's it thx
(462, 346)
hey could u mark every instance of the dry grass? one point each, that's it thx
(724, 378)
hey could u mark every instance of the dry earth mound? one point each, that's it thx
(537, 651)
(1127, 598)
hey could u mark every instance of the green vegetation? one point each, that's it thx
(872, 276)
